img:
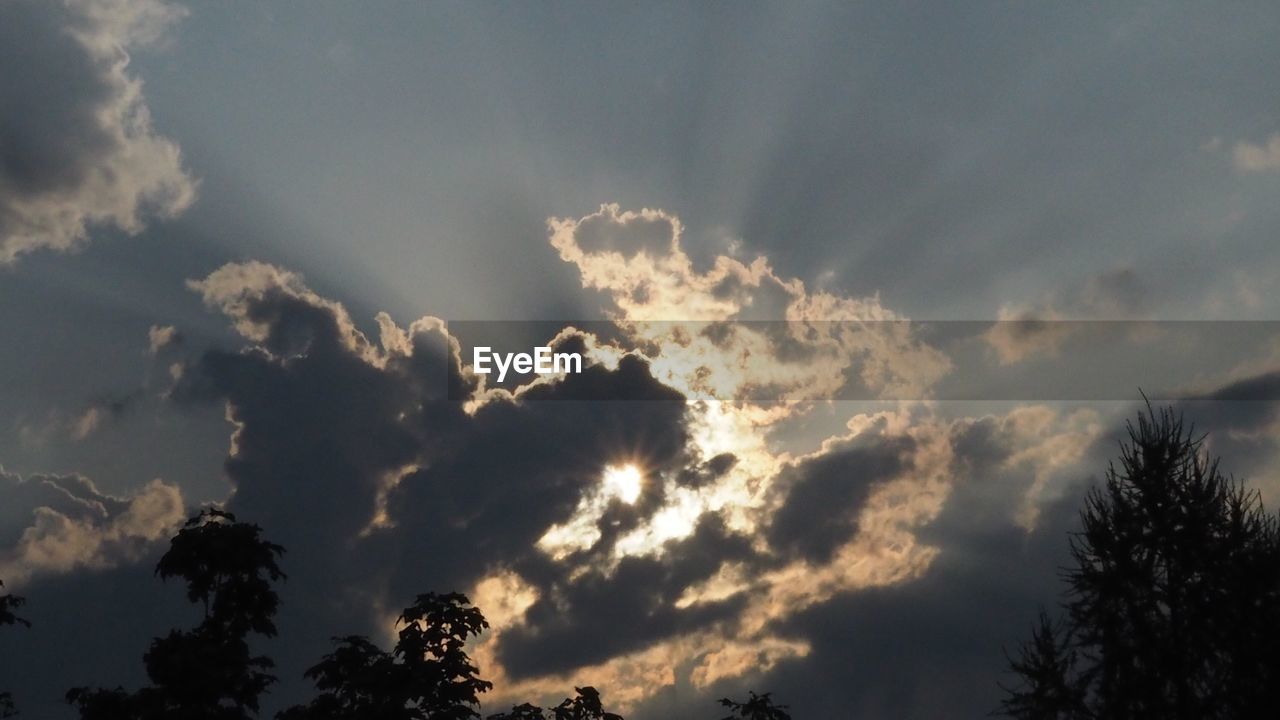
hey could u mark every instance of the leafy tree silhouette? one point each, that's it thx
(208, 673)
(1173, 608)
(587, 705)
(9, 605)
(428, 676)
(757, 707)
(525, 711)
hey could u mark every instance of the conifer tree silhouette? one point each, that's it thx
(1173, 606)
(208, 673)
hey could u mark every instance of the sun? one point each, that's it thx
(624, 482)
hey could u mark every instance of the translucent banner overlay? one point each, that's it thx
(766, 362)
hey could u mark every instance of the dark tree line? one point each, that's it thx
(210, 673)
(1172, 608)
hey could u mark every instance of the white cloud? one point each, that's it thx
(1250, 158)
(86, 423)
(67, 523)
(160, 336)
(796, 344)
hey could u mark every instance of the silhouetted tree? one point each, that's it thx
(1053, 689)
(9, 605)
(586, 705)
(757, 707)
(208, 673)
(525, 711)
(1173, 609)
(428, 676)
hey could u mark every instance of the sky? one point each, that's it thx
(866, 293)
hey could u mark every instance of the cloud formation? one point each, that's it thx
(738, 331)
(1041, 329)
(54, 524)
(1251, 158)
(162, 336)
(81, 152)
(388, 468)
(646, 526)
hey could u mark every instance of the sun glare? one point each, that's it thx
(623, 482)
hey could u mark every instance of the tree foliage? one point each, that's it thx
(208, 673)
(1173, 607)
(9, 605)
(229, 569)
(757, 707)
(427, 676)
(586, 705)
(1052, 689)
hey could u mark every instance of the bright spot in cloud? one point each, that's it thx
(581, 532)
(623, 482)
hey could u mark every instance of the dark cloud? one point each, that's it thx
(1240, 421)
(933, 646)
(81, 151)
(363, 462)
(1261, 389)
(825, 493)
(709, 471)
(513, 470)
(385, 473)
(588, 621)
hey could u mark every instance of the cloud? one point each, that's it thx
(102, 409)
(363, 458)
(86, 423)
(1250, 158)
(738, 332)
(381, 481)
(1040, 330)
(724, 563)
(924, 643)
(1018, 336)
(53, 524)
(388, 469)
(162, 336)
(82, 152)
